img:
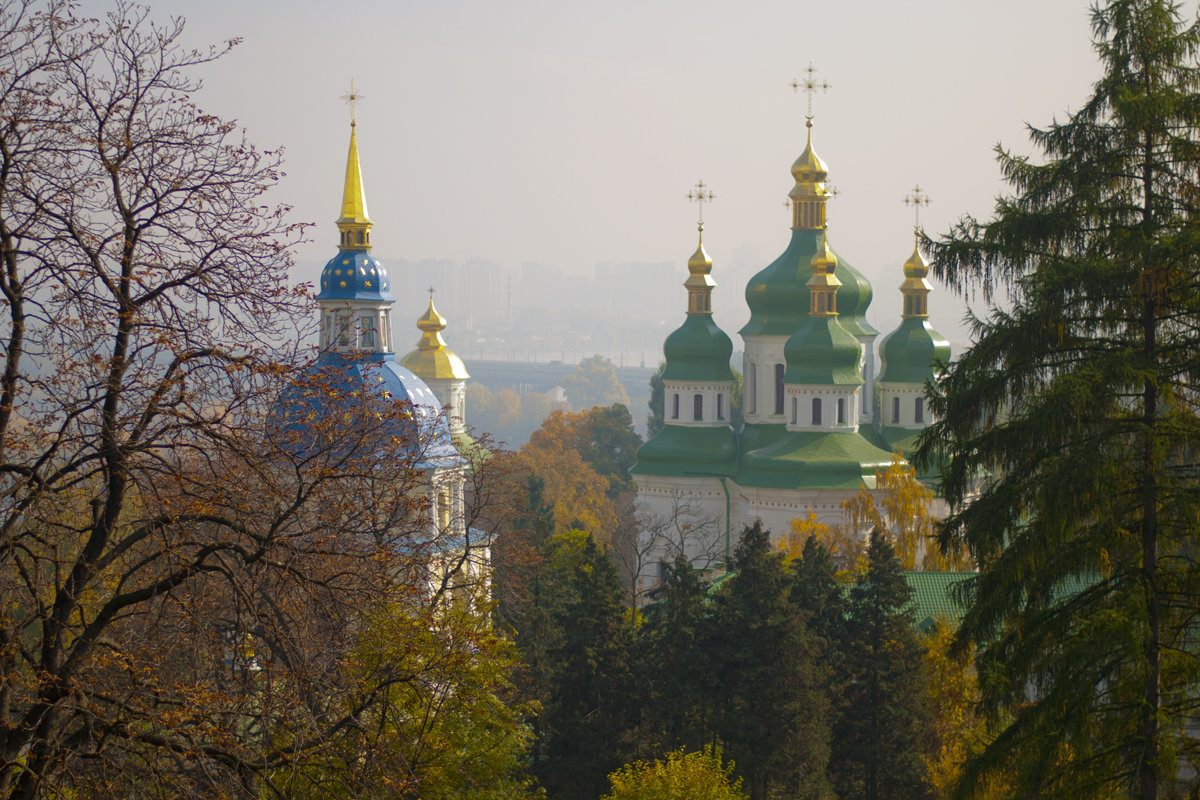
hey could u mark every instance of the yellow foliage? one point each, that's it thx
(573, 489)
(952, 690)
(899, 506)
(679, 776)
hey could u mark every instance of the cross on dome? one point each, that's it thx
(701, 195)
(810, 86)
(916, 199)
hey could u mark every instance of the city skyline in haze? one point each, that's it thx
(569, 134)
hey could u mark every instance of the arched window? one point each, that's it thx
(675, 406)
(816, 411)
(919, 414)
(698, 407)
(779, 388)
(793, 410)
(895, 409)
(841, 411)
(720, 405)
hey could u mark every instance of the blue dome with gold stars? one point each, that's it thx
(355, 275)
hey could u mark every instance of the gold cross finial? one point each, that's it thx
(352, 99)
(917, 199)
(810, 85)
(431, 291)
(701, 195)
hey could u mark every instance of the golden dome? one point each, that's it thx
(432, 360)
(824, 262)
(916, 266)
(700, 263)
(809, 168)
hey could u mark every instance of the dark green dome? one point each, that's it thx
(778, 294)
(823, 352)
(698, 351)
(908, 354)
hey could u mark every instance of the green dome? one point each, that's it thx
(778, 295)
(823, 352)
(698, 351)
(908, 354)
(680, 450)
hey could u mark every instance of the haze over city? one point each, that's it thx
(568, 134)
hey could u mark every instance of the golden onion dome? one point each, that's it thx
(809, 168)
(431, 322)
(700, 263)
(433, 360)
(824, 262)
(916, 266)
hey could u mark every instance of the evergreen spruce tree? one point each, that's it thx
(674, 663)
(588, 721)
(771, 708)
(882, 720)
(818, 595)
(1073, 419)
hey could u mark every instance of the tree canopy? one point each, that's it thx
(1068, 432)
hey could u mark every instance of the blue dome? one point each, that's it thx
(334, 382)
(355, 275)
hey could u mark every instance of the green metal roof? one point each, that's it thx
(935, 597)
(813, 460)
(823, 352)
(908, 354)
(681, 451)
(778, 295)
(698, 350)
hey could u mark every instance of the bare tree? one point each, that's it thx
(685, 529)
(184, 586)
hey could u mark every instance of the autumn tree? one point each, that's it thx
(182, 583)
(680, 775)
(1068, 432)
(901, 505)
(594, 383)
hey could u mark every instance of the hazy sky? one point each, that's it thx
(569, 133)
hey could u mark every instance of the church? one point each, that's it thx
(357, 356)
(819, 421)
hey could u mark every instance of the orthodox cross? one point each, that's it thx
(916, 199)
(701, 195)
(352, 99)
(810, 85)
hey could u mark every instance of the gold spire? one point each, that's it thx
(355, 223)
(699, 283)
(916, 288)
(823, 284)
(810, 194)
